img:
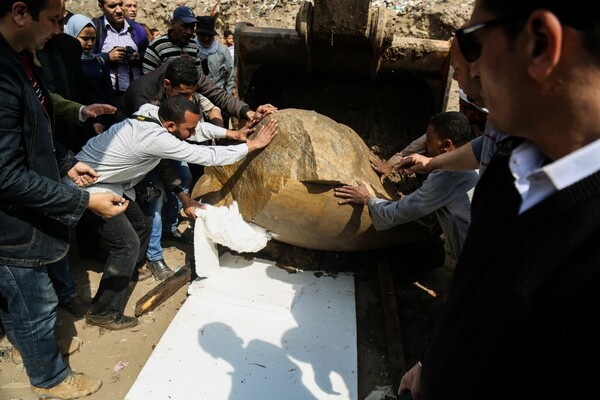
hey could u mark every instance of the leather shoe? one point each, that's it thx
(160, 269)
(76, 306)
(119, 322)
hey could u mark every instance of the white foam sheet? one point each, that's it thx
(256, 332)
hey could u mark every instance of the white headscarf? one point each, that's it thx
(74, 27)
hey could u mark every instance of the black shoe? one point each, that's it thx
(187, 237)
(76, 306)
(160, 269)
(118, 323)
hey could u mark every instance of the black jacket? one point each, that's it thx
(35, 208)
(517, 323)
(149, 89)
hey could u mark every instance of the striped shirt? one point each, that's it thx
(162, 49)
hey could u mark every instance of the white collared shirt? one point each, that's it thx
(536, 181)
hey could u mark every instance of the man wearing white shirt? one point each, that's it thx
(122, 156)
(173, 176)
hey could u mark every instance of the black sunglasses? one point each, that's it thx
(468, 44)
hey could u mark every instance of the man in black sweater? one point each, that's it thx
(518, 321)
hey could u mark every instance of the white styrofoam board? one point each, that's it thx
(254, 331)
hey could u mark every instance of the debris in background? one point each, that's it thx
(381, 393)
(120, 365)
(431, 292)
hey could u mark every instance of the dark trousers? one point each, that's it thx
(126, 236)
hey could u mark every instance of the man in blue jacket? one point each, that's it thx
(122, 43)
(36, 210)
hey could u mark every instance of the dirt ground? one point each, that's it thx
(435, 19)
(118, 357)
(102, 350)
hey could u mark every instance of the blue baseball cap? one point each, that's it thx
(185, 14)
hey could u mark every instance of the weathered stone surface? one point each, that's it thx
(287, 188)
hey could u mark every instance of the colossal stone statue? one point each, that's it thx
(288, 187)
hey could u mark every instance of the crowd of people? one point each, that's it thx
(513, 178)
(85, 127)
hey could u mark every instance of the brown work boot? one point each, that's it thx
(73, 387)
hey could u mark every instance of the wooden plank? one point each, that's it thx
(161, 292)
(395, 341)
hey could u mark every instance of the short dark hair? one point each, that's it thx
(33, 7)
(182, 71)
(227, 33)
(579, 14)
(452, 125)
(175, 107)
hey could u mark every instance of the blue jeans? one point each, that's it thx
(173, 207)
(154, 210)
(63, 281)
(126, 236)
(28, 312)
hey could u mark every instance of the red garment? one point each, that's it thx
(26, 59)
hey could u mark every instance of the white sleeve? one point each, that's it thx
(207, 131)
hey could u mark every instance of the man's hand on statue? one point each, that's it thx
(261, 112)
(264, 136)
(384, 168)
(240, 135)
(360, 194)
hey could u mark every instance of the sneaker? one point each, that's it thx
(74, 386)
(76, 306)
(118, 323)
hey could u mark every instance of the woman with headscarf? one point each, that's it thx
(95, 70)
(98, 89)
